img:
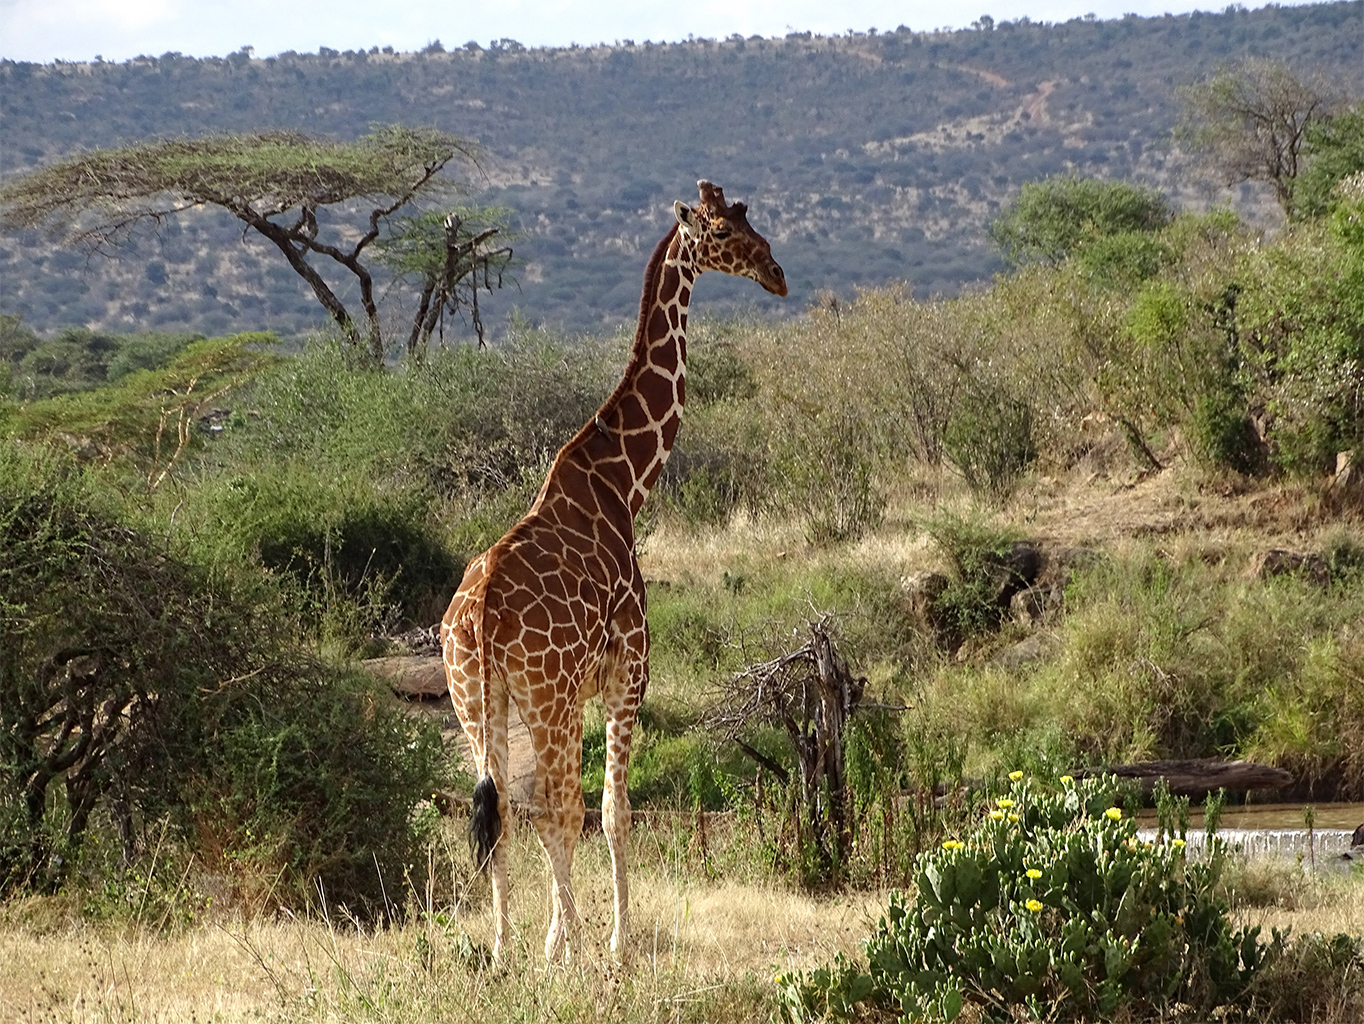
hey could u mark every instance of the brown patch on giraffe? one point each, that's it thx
(670, 427)
(641, 449)
(667, 284)
(651, 477)
(658, 324)
(657, 391)
(536, 618)
(633, 414)
(665, 358)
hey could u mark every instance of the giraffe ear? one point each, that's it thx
(686, 217)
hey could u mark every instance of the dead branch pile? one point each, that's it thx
(811, 693)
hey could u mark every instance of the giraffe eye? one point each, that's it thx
(720, 236)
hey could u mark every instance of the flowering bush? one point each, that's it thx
(1052, 908)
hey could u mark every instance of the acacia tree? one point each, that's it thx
(276, 183)
(1250, 121)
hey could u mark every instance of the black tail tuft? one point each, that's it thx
(485, 823)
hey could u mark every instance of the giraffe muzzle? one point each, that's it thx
(773, 279)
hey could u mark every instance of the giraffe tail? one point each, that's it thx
(485, 823)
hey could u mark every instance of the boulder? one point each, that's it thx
(1015, 656)
(1279, 562)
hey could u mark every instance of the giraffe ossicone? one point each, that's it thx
(554, 612)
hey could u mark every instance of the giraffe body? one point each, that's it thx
(554, 612)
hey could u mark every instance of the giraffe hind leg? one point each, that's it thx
(558, 786)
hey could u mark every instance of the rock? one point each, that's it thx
(421, 640)
(923, 590)
(1063, 563)
(1278, 562)
(1037, 604)
(1015, 656)
(1015, 570)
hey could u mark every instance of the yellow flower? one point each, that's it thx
(1066, 780)
(952, 844)
(1178, 844)
(1013, 817)
(1113, 814)
(1015, 776)
(1004, 802)
(1033, 905)
(777, 979)
(996, 815)
(1033, 873)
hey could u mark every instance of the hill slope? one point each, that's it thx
(868, 157)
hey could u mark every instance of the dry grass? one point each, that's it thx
(1181, 505)
(703, 950)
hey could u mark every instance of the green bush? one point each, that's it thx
(979, 572)
(140, 685)
(463, 423)
(827, 476)
(1054, 218)
(1177, 656)
(989, 437)
(1300, 321)
(315, 778)
(1335, 151)
(1052, 909)
(361, 559)
(1124, 259)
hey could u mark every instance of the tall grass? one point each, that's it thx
(1164, 655)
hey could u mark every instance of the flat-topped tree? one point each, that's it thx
(276, 183)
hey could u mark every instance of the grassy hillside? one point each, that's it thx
(868, 158)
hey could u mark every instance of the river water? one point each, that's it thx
(1278, 830)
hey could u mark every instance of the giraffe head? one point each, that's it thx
(722, 239)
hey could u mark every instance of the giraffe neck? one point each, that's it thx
(622, 450)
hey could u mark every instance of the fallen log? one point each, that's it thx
(414, 676)
(1197, 778)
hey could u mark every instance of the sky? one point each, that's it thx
(42, 31)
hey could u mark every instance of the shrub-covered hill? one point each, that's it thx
(868, 158)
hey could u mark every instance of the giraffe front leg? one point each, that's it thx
(615, 817)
